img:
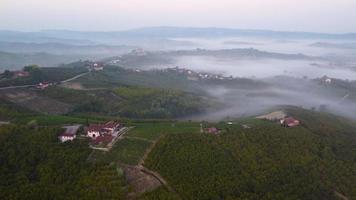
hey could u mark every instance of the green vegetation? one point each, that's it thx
(159, 194)
(34, 165)
(130, 101)
(50, 120)
(312, 161)
(152, 130)
(128, 151)
(158, 103)
(38, 74)
(9, 111)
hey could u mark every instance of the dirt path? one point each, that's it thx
(148, 151)
(153, 173)
(143, 179)
(75, 77)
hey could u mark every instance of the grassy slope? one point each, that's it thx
(264, 162)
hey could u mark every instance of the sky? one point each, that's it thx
(333, 16)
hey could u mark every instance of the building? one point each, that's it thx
(20, 74)
(102, 139)
(93, 66)
(289, 122)
(97, 130)
(98, 67)
(64, 137)
(94, 130)
(212, 130)
(43, 85)
(69, 134)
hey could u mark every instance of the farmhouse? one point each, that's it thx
(20, 73)
(69, 134)
(96, 130)
(102, 139)
(43, 85)
(64, 137)
(98, 67)
(289, 122)
(212, 130)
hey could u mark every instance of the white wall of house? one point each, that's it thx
(66, 138)
(93, 134)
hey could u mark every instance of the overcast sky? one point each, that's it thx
(108, 15)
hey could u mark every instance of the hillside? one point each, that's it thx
(314, 161)
(13, 61)
(34, 165)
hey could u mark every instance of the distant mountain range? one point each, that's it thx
(88, 38)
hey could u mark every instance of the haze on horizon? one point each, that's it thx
(110, 15)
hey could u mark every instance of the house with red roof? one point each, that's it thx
(43, 85)
(102, 139)
(289, 122)
(96, 130)
(212, 130)
(69, 134)
(20, 73)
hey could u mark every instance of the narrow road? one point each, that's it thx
(33, 85)
(75, 77)
(14, 87)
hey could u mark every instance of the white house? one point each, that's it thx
(67, 137)
(94, 130)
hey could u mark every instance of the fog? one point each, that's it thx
(263, 68)
(279, 91)
(287, 82)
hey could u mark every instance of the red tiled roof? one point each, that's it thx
(95, 127)
(111, 124)
(290, 121)
(103, 138)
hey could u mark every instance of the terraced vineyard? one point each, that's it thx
(267, 161)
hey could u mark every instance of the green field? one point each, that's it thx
(153, 130)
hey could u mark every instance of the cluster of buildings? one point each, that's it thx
(97, 132)
(193, 75)
(102, 132)
(281, 117)
(93, 66)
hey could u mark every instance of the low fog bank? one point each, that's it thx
(263, 68)
(283, 91)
